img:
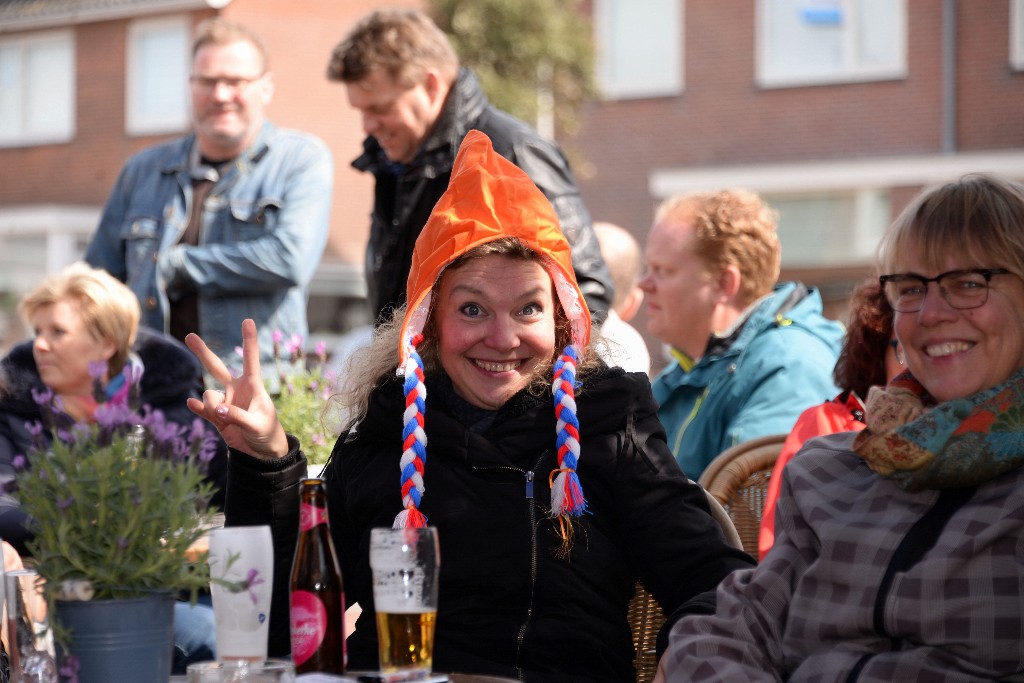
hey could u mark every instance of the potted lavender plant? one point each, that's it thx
(115, 505)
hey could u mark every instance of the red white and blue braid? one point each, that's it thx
(414, 441)
(566, 491)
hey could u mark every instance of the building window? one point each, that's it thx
(639, 47)
(37, 79)
(157, 78)
(832, 228)
(1017, 34)
(810, 42)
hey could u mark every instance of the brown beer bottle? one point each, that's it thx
(317, 598)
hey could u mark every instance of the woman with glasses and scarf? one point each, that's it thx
(899, 549)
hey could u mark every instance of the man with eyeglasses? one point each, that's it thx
(228, 222)
(749, 354)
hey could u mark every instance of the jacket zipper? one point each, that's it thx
(529, 476)
(677, 442)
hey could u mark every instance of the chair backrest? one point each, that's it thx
(738, 477)
(645, 614)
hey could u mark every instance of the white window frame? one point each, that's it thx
(27, 131)
(141, 119)
(869, 216)
(612, 18)
(852, 71)
(1017, 34)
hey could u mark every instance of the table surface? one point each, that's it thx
(455, 678)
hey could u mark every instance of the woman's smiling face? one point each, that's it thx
(496, 327)
(955, 353)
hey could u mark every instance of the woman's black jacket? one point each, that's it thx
(509, 605)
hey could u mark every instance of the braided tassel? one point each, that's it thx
(414, 442)
(566, 492)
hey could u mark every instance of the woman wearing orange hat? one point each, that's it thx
(549, 479)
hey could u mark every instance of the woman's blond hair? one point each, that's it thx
(109, 310)
(979, 216)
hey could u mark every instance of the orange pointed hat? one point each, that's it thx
(489, 197)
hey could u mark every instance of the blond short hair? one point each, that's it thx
(109, 310)
(981, 215)
(403, 43)
(219, 31)
(731, 228)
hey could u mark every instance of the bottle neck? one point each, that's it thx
(311, 516)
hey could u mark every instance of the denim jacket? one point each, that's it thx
(264, 229)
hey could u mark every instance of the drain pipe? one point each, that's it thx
(949, 76)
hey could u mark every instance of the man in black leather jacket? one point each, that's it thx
(417, 105)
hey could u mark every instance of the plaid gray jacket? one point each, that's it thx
(831, 603)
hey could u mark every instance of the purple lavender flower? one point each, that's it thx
(277, 336)
(204, 444)
(111, 416)
(43, 397)
(69, 666)
(97, 368)
(294, 347)
(18, 462)
(65, 503)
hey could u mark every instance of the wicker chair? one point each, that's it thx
(645, 614)
(738, 478)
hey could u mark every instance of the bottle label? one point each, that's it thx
(308, 625)
(310, 516)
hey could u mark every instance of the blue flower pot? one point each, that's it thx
(120, 640)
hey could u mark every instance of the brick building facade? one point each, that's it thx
(839, 154)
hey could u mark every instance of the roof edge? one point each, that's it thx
(836, 174)
(71, 15)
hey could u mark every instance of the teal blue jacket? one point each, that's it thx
(752, 383)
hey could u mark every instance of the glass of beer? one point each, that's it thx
(405, 564)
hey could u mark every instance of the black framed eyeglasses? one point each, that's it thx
(234, 84)
(962, 289)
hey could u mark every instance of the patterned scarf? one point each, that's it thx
(959, 443)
